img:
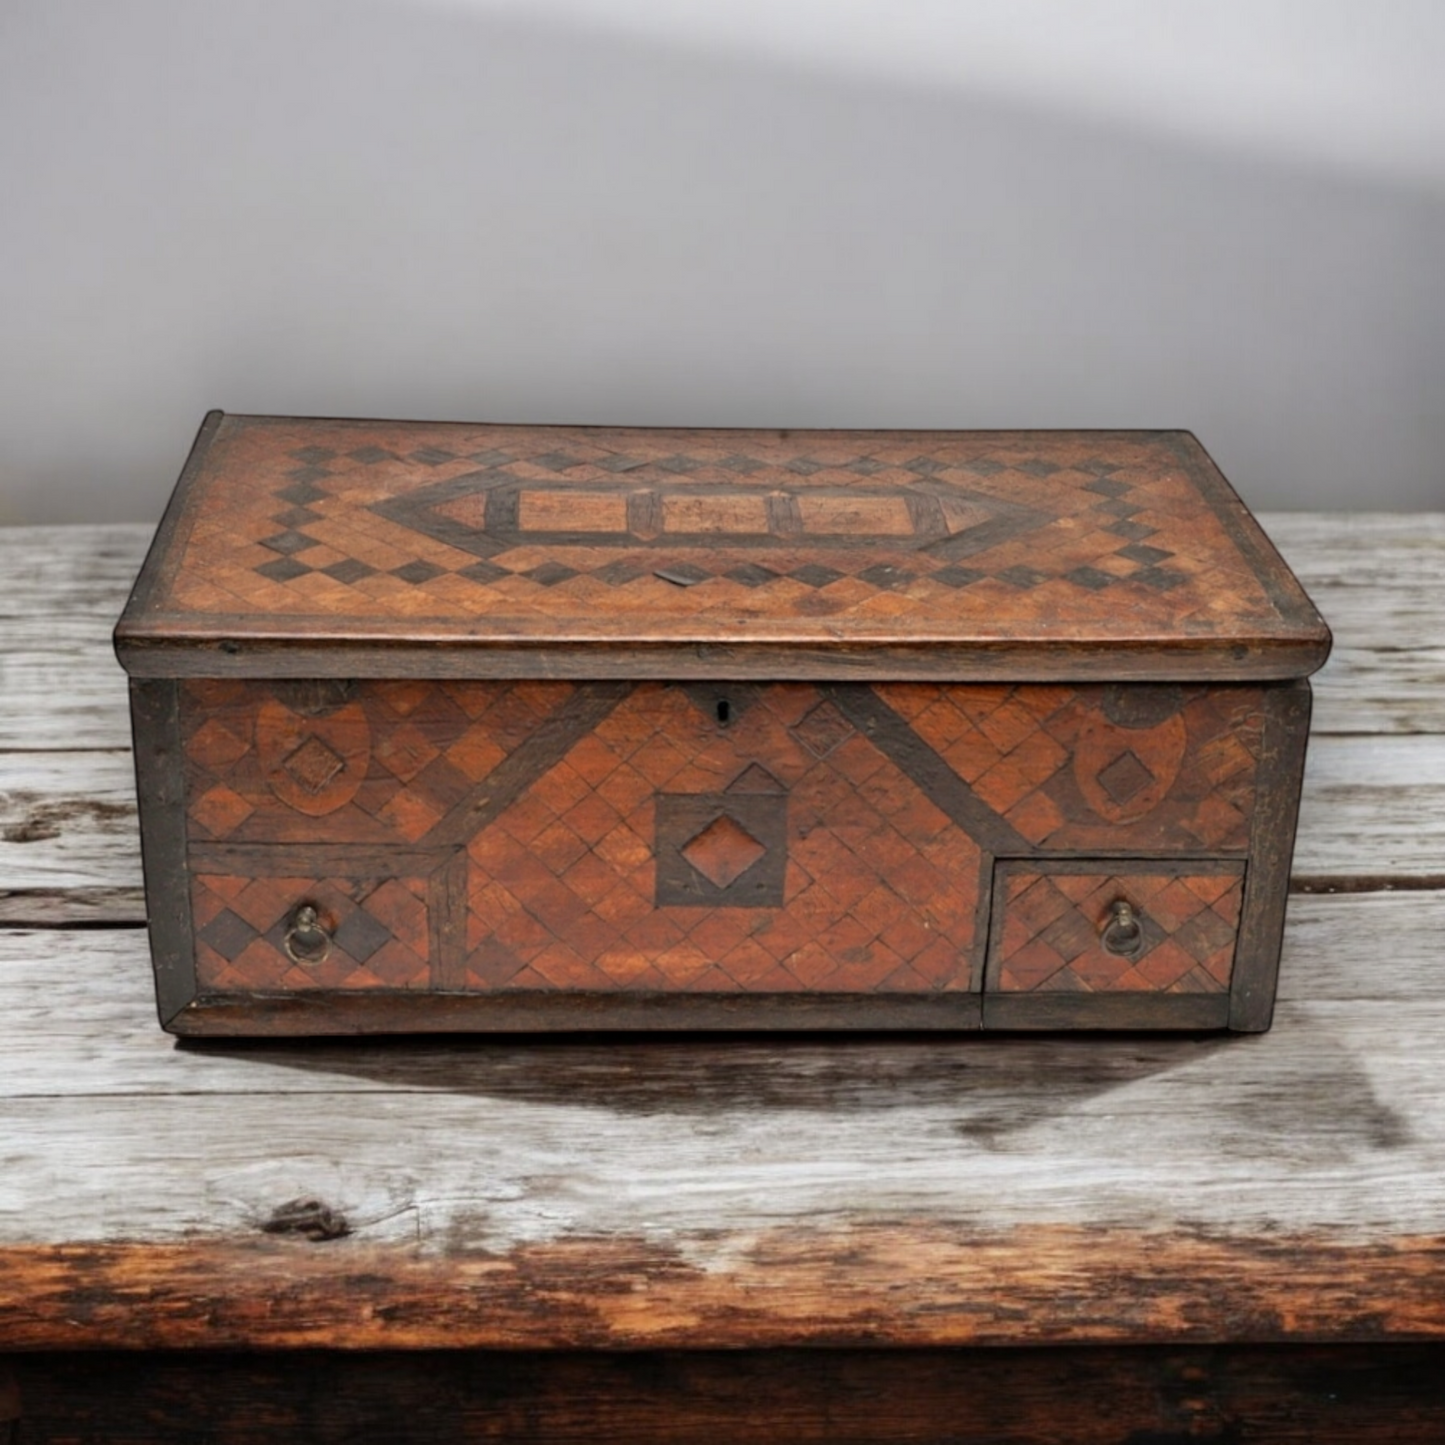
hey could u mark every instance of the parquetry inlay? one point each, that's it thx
(548, 531)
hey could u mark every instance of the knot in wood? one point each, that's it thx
(310, 1218)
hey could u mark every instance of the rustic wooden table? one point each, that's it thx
(835, 1239)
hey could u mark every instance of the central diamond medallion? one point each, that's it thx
(723, 851)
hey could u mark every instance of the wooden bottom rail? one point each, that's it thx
(1145, 1396)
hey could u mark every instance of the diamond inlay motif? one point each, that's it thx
(1125, 777)
(314, 764)
(723, 851)
(822, 730)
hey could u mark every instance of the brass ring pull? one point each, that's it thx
(306, 940)
(1124, 932)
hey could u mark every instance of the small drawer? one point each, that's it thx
(1101, 943)
(281, 919)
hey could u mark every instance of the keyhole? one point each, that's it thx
(724, 712)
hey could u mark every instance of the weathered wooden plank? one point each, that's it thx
(896, 1284)
(1287, 1395)
(73, 571)
(927, 1190)
(79, 1014)
(1332, 1127)
(60, 685)
(68, 820)
(1383, 944)
(1366, 550)
(67, 692)
(53, 907)
(1387, 671)
(1373, 808)
(1376, 579)
(1373, 688)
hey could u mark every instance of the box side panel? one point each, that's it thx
(602, 838)
(1261, 932)
(160, 796)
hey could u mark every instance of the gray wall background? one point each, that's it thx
(1227, 215)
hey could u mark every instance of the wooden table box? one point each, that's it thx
(452, 727)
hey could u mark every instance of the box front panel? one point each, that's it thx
(753, 843)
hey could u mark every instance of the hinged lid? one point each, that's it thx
(354, 548)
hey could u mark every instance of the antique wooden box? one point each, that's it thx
(517, 728)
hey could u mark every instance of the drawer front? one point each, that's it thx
(1103, 942)
(845, 850)
(381, 921)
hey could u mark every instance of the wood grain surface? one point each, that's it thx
(729, 1192)
(1293, 1396)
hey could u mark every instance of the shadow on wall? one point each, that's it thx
(353, 209)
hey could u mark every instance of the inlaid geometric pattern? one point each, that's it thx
(822, 729)
(1097, 767)
(380, 762)
(878, 888)
(1126, 777)
(1050, 932)
(716, 837)
(532, 532)
(313, 764)
(379, 929)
